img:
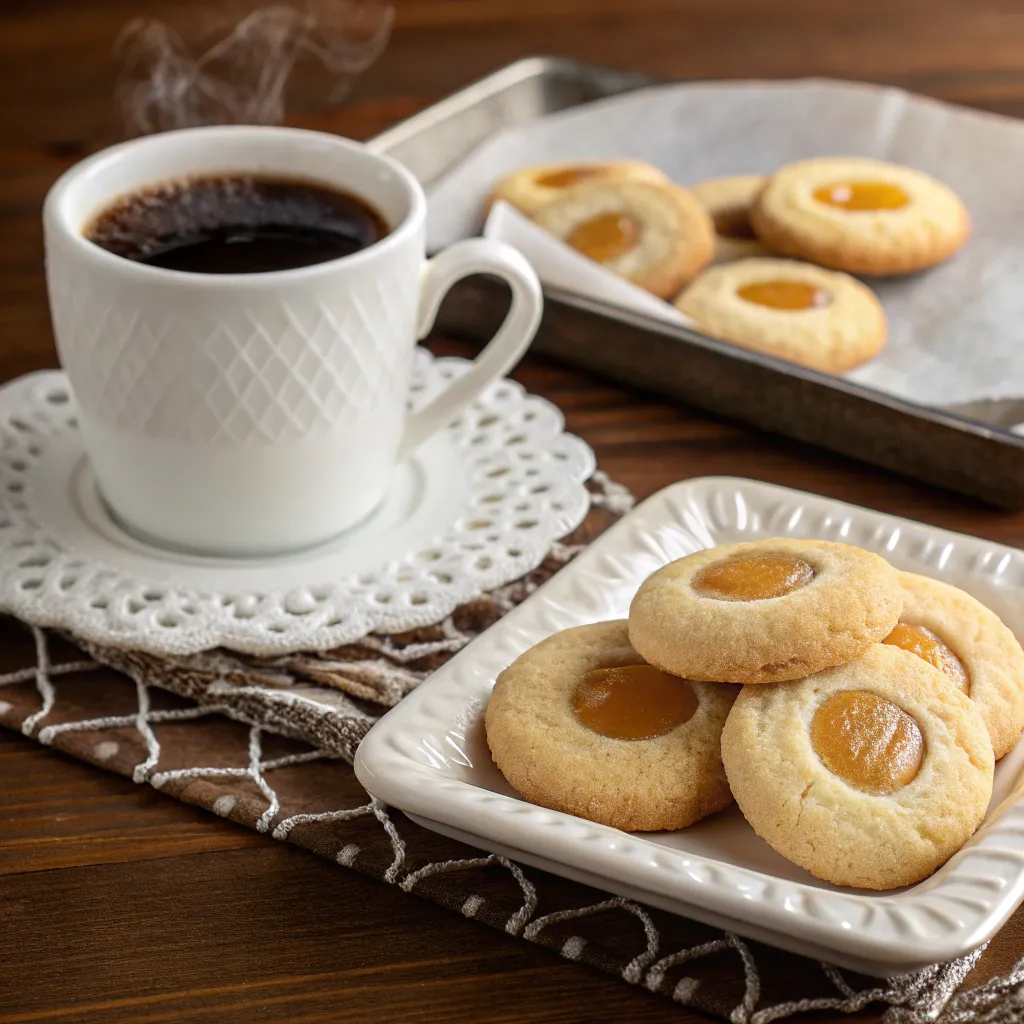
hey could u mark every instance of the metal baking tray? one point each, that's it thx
(981, 459)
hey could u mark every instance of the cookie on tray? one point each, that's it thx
(530, 188)
(579, 723)
(858, 215)
(655, 235)
(764, 611)
(728, 202)
(970, 645)
(871, 774)
(818, 318)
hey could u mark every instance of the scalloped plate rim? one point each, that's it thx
(935, 921)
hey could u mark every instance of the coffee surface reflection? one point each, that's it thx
(236, 224)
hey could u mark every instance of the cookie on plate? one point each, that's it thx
(871, 774)
(858, 215)
(764, 611)
(530, 188)
(970, 645)
(811, 316)
(655, 235)
(728, 202)
(579, 723)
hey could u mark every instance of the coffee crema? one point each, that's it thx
(236, 224)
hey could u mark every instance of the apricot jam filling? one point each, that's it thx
(633, 702)
(606, 237)
(862, 195)
(752, 577)
(925, 644)
(867, 741)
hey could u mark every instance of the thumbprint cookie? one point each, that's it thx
(970, 645)
(858, 215)
(764, 611)
(817, 318)
(530, 188)
(655, 235)
(728, 202)
(871, 774)
(581, 724)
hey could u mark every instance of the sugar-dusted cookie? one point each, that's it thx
(858, 215)
(818, 318)
(728, 202)
(530, 188)
(971, 646)
(871, 774)
(656, 235)
(763, 611)
(580, 724)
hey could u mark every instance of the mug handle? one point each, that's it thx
(502, 352)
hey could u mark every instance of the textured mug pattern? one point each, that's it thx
(264, 371)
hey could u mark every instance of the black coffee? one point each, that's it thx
(236, 225)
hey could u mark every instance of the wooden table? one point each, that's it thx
(118, 904)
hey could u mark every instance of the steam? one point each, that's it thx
(245, 66)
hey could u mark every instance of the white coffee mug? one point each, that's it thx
(248, 414)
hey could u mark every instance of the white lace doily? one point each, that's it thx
(479, 505)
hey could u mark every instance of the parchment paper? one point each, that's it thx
(956, 331)
(562, 266)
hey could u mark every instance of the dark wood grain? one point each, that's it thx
(117, 904)
(255, 931)
(63, 814)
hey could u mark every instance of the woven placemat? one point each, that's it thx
(269, 743)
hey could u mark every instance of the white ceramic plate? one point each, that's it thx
(429, 755)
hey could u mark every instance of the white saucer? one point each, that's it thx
(477, 506)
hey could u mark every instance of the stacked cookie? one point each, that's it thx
(852, 711)
(625, 215)
(831, 218)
